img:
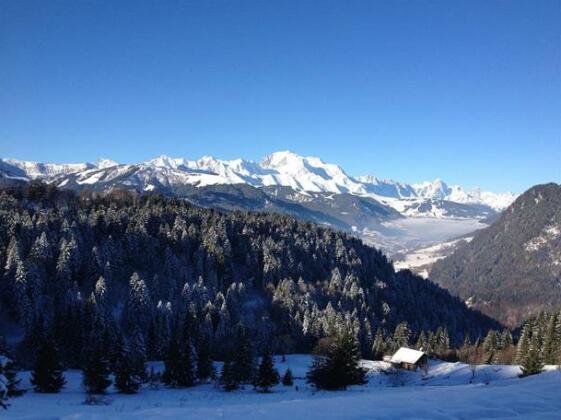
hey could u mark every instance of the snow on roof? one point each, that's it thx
(405, 355)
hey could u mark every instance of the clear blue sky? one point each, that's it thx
(469, 91)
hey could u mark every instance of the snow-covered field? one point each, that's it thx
(448, 390)
(421, 260)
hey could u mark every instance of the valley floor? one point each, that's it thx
(448, 390)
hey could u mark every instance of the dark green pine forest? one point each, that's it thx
(95, 270)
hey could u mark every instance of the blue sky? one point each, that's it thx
(413, 90)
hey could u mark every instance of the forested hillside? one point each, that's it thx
(95, 267)
(511, 270)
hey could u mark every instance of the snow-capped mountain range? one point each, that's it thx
(391, 215)
(287, 169)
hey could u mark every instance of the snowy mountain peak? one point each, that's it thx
(164, 161)
(436, 189)
(105, 163)
(283, 168)
(284, 159)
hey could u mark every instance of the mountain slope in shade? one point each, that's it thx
(512, 269)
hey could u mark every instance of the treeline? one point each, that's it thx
(436, 344)
(539, 344)
(335, 367)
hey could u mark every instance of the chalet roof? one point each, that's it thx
(406, 355)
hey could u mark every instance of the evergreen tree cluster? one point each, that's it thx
(539, 343)
(47, 375)
(495, 348)
(187, 273)
(435, 343)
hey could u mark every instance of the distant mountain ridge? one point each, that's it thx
(284, 182)
(303, 174)
(512, 269)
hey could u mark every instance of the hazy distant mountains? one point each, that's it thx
(512, 269)
(283, 182)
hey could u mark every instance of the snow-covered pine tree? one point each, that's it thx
(137, 312)
(505, 339)
(550, 343)
(532, 362)
(401, 335)
(421, 341)
(267, 376)
(490, 347)
(47, 375)
(523, 343)
(3, 384)
(9, 371)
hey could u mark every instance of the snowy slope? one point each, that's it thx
(420, 260)
(449, 390)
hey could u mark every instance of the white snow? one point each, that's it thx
(105, 163)
(406, 355)
(420, 259)
(37, 170)
(448, 390)
(303, 174)
(549, 233)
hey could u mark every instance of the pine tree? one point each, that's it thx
(47, 375)
(490, 347)
(96, 372)
(505, 339)
(173, 366)
(401, 335)
(422, 342)
(179, 371)
(532, 363)
(340, 367)
(267, 376)
(127, 380)
(550, 345)
(9, 371)
(228, 377)
(137, 312)
(378, 347)
(442, 341)
(189, 374)
(287, 378)
(242, 358)
(3, 385)
(205, 367)
(523, 343)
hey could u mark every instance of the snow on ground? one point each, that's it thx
(448, 390)
(420, 260)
